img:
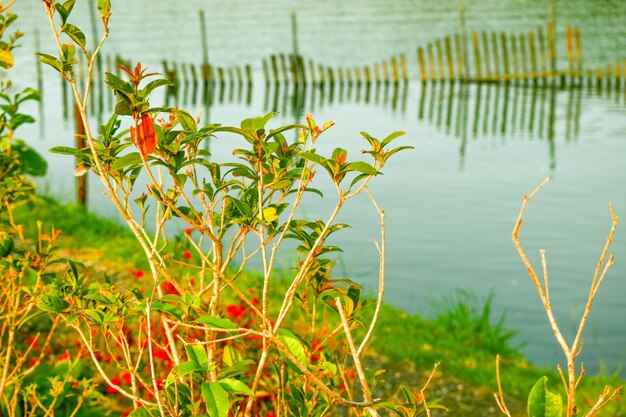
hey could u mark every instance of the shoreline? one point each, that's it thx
(462, 337)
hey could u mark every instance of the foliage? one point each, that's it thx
(189, 340)
(33, 380)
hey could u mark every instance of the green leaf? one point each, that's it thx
(293, 344)
(216, 399)
(257, 123)
(542, 402)
(197, 355)
(126, 161)
(270, 214)
(155, 84)
(313, 157)
(275, 132)
(391, 137)
(95, 315)
(75, 34)
(32, 163)
(27, 94)
(68, 6)
(123, 109)
(62, 11)
(116, 83)
(235, 386)
(68, 52)
(53, 303)
(216, 322)
(6, 58)
(363, 167)
(358, 178)
(65, 150)
(104, 7)
(187, 121)
(166, 308)
(50, 60)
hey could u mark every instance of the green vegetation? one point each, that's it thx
(178, 324)
(462, 335)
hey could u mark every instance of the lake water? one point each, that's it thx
(452, 202)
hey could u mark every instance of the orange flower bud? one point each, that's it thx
(143, 135)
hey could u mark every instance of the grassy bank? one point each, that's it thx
(462, 336)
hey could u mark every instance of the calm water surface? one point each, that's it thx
(452, 202)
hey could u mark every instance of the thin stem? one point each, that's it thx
(367, 395)
(381, 273)
(499, 396)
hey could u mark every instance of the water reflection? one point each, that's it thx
(466, 111)
(505, 110)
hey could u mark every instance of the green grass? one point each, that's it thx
(462, 335)
(82, 230)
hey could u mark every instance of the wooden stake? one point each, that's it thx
(570, 49)
(552, 49)
(440, 66)
(274, 61)
(543, 54)
(266, 72)
(249, 74)
(523, 56)
(449, 61)
(420, 61)
(515, 56)
(533, 55)
(293, 64)
(579, 52)
(459, 57)
(496, 55)
(283, 67)
(204, 38)
(404, 67)
(486, 55)
(321, 75)
(312, 71)
(301, 70)
(394, 69)
(431, 61)
(357, 75)
(385, 72)
(505, 56)
(463, 41)
(331, 77)
(551, 38)
(479, 73)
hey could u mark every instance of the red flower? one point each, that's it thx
(110, 389)
(187, 255)
(138, 273)
(160, 354)
(169, 288)
(236, 311)
(188, 230)
(143, 135)
(126, 378)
